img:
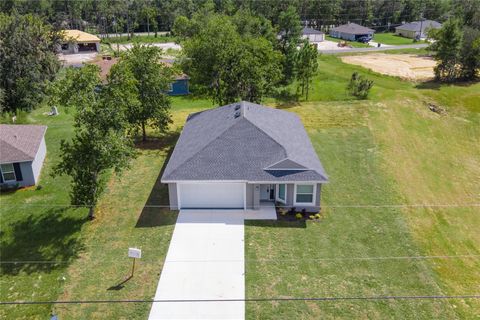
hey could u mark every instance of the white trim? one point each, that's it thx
(244, 181)
(277, 198)
(244, 196)
(314, 196)
(270, 166)
(179, 206)
(13, 171)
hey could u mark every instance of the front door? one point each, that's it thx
(267, 192)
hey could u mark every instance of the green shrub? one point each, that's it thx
(318, 216)
(311, 217)
(299, 215)
(359, 86)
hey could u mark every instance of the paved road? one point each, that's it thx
(205, 260)
(353, 50)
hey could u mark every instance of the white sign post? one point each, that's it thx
(135, 254)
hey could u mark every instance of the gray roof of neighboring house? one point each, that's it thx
(353, 28)
(415, 25)
(217, 145)
(19, 143)
(306, 31)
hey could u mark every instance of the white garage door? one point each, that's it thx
(211, 195)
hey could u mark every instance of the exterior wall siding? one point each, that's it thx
(38, 161)
(179, 87)
(172, 196)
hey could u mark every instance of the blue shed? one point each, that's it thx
(179, 86)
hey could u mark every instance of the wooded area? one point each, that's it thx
(111, 16)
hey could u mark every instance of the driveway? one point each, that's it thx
(205, 260)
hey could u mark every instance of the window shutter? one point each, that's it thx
(18, 172)
(1, 176)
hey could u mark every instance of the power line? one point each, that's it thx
(343, 259)
(278, 299)
(334, 206)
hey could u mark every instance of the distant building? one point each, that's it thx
(351, 32)
(22, 151)
(76, 41)
(179, 87)
(417, 29)
(313, 36)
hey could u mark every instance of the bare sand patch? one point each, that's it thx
(406, 66)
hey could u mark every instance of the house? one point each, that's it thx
(179, 86)
(351, 32)
(240, 155)
(22, 151)
(417, 29)
(76, 41)
(313, 36)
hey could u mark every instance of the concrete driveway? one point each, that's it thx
(205, 260)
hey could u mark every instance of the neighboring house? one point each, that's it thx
(22, 151)
(179, 86)
(76, 41)
(351, 32)
(417, 29)
(239, 155)
(313, 36)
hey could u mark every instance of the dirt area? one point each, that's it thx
(406, 66)
(76, 59)
(105, 66)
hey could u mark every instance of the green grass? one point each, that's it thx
(142, 39)
(392, 39)
(388, 150)
(38, 225)
(353, 44)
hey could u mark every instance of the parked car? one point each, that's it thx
(364, 39)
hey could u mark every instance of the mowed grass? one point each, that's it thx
(389, 150)
(392, 39)
(62, 256)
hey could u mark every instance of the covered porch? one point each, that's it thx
(266, 211)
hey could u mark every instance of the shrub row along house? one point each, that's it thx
(22, 152)
(242, 154)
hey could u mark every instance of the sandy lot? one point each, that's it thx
(76, 59)
(406, 66)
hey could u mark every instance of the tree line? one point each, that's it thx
(112, 16)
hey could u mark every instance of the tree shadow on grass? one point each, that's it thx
(51, 238)
(436, 85)
(156, 213)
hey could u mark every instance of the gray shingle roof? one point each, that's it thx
(353, 28)
(306, 31)
(216, 145)
(415, 25)
(19, 143)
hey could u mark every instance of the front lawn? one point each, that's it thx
(62, 256)
(389, 150)
(391, 39)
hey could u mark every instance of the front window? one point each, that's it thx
(8, 172)
(304, 193)
(281, 192)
